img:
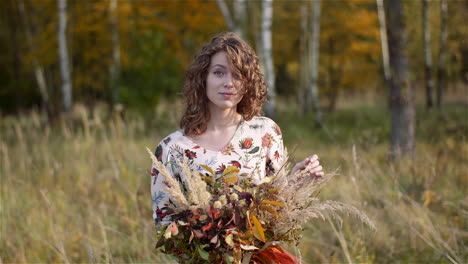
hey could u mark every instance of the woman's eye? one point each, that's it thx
(219, 73)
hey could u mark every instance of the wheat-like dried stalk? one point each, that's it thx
(298, 192)
(192, 197)
(172, 186)
(198, 194)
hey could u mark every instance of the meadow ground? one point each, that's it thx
(78, 191)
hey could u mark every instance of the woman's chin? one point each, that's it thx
(223, 106)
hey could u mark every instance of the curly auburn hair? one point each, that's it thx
(244, 63)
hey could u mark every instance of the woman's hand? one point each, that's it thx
(313, 166)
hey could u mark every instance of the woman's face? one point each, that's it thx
(223, 88)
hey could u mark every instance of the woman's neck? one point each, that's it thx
(222, 119)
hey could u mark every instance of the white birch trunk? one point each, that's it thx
(427, 53)
(227, 15)
(314, 48)
(115, 65)
(38, 70)
(442, 51)
(267, 55)
(63, 55)
(384, 41)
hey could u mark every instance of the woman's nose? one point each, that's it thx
(228, 82)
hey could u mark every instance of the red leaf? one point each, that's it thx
(214, 213)
(275, 254)
(198, 234)
(279, 255)
(207, 227)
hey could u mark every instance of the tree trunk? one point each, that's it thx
(384, 44)
(314, 49)
(240, 11)
(427, 54)
(115, 65)
(63, 55)
(401, 93)
(442, 52)
(238, 23)
(227, 15)
(269, 71)
(303, 60)
(38, 70)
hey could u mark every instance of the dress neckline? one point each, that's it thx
(234, 136)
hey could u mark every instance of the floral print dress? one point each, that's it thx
(256, 149)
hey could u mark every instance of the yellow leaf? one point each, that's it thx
(231, 178)
(230, 175)
(258, 229)
(273, 190)
(248, 219)
(207, 179)
(230, 169)
(273, 203)
(269, 209)
(229, 240)
(210, 170)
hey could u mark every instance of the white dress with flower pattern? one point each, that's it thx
(256, 148)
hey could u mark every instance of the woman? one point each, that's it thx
(221, 127)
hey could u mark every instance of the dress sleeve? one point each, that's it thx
(273, 141)
(159, 197)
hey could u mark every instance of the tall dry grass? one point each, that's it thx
(78, 191)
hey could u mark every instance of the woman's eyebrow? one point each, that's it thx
(220, 65)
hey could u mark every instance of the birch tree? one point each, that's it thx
(384, 42)
(427, 53)
(401, 92)
(267, 56)
(226, 14)
(63, 55)
(442, 51)
(236, 23)
(115, 65)
(314, 49)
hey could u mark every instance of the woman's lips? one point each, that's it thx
(227, 95)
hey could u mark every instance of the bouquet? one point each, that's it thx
(231, 219)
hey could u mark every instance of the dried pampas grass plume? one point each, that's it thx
(298, 191)
(197, 191)
(171, 184)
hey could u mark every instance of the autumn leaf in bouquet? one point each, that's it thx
(231, 219)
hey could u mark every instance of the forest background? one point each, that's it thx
(86, 85)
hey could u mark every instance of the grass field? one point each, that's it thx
(78, 191)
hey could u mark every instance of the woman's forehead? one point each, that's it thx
(220, 58)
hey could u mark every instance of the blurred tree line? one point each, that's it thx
(157, 39)
(133, 53)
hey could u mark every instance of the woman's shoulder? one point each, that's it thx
(174, 138)
(266, 123)
(262, 120)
